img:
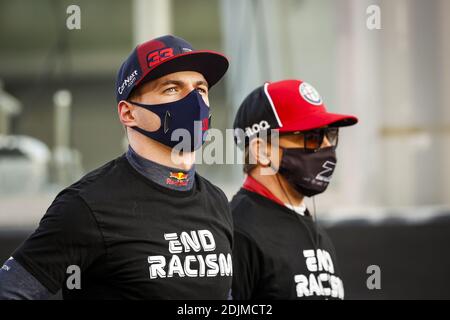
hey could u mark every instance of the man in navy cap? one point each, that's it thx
(279, 251)
(145, 225)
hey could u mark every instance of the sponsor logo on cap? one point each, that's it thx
(128, 82)
(256, 128)
(155, 57)
(310, 94)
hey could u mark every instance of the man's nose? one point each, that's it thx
(325, 143)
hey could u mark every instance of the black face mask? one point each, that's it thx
(307, 171)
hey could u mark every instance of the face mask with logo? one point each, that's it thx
(307, 171)
(191, 114)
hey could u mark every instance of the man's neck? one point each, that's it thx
(171, 178)
(279, 187)
(160, 154)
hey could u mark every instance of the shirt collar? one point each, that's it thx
(167, 177)
(251, 184)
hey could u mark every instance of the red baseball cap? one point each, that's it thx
(288, 106)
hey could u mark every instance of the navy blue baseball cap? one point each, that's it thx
(164, 55)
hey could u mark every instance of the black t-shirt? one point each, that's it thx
(279, 254)
(130, 238)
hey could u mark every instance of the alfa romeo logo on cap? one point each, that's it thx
(310, 94)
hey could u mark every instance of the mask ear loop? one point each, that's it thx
(280, 184)
(270, 164)
(315, 220)
(314, 209)
(284, 191)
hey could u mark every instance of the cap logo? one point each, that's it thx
(128, 81)
(256, 128)
(157, 56)
(310, 94)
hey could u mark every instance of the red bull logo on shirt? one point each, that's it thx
(180, 179)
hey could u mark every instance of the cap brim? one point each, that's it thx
(319, 120)
(212, 65)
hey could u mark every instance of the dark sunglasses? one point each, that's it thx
(313, 139)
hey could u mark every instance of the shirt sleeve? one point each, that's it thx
(246, 262)
(67, 235)
(16, 283)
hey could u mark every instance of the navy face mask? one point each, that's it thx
(190, 115)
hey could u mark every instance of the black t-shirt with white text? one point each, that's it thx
(127, 237)
(279, 254)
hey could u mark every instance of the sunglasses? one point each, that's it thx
(313, 139)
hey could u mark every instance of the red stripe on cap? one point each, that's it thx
(274, 109)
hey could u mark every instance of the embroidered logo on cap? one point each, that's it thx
(310, 94)
(155, 57)
(256, 128)
(128, 82)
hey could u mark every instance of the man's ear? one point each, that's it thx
(126, 114)
(259, 152)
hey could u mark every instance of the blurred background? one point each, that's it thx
(389, 202)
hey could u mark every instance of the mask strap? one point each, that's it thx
(284, 191)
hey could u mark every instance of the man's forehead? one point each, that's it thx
(182, 77)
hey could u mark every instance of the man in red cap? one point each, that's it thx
(279, 251)
(145, 225)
